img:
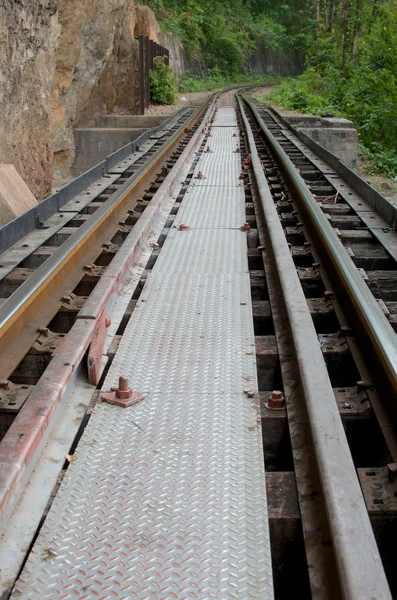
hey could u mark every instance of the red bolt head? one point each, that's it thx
(123, 395)
(183, 227)
(241, 176)
(108, 321)
(208, 149)
(199, 175)
(124, 390)
(237, 150)
(276, 401)
(245, 227)
(234, 135)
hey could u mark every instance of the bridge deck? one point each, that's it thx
(167, 499)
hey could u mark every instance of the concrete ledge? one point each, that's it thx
(15, 196)
(337, 135)
(129, 121)
(94, 144)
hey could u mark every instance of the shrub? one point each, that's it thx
(162, 82)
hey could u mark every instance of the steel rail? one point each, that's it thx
(370, 314)
(357, 556)
(20, 308)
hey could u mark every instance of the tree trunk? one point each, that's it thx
(357, 29)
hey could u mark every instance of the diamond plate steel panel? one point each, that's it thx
(209, 251)
(225, 117)
(167, 499)
(159, 504)
(218, 173)
(222, 151)
(214, 208)
(189, 333)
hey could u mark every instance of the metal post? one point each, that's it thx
(140, 39)
(147, 81)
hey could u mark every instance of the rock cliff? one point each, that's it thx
(62, 62)
(28, 35)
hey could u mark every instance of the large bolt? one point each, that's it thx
(392, 471)
(44, 331)
(276, 401)
(246, 227)
(124, 390)
(4, 384)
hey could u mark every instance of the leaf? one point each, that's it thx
(71, 457)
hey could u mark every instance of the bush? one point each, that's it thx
(309, 93)
(162, 82)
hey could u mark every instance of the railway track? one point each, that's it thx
(149, 279)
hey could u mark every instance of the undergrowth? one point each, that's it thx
(162, 82)
(332, 95)
(216, 79)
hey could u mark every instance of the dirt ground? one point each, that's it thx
(386, 186)
(168, 109)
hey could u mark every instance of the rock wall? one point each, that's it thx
(28, 35)
(146, 24)
(278, 62)
(61, 63)
(95, 65)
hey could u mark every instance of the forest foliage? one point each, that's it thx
(352, 72)
(220, 34)
(349, 45)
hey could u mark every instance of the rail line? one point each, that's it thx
(172, 306)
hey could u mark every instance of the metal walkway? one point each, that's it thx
(167, 499)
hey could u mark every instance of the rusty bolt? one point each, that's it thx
(183, 227)
(108, 321)
(44, 331)
(88, 267)
(4, 384)
(246, 227)
(392, 471)
(276, 401)
(199, 175)
(208, 149)
(364, 385)
(234, 135)
(124, 390)
(237, 150)
(66, 299)
(241, 176)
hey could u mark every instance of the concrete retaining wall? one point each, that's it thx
(339, 136)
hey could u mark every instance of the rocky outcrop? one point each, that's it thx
(63, 62)
(94, 68)
(28, 36)
(146, 24)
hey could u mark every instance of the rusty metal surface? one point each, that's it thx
(360, 569)
(175, 485)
